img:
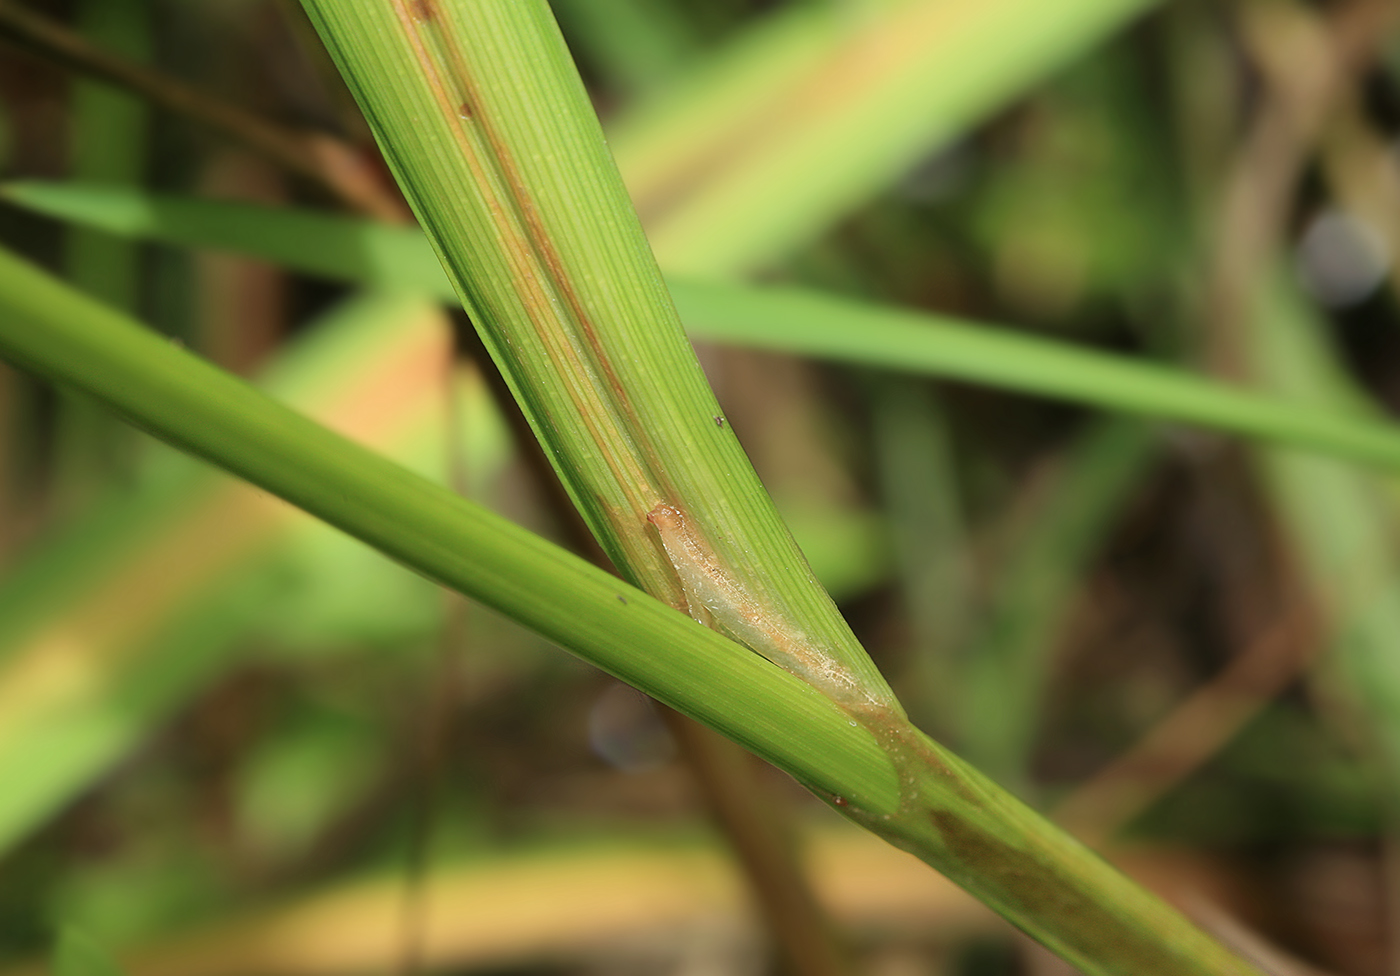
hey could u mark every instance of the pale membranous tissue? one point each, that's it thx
(715, 597)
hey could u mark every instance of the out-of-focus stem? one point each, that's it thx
(744, 810)
(1306, 64)
(317, 157)
(1191, 733)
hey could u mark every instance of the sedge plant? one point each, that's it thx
(488, 129)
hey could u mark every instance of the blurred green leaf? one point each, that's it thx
(810, 114)
(78, 955)
(783, 319)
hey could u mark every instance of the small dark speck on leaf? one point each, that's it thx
(622, 599)
(719, 421)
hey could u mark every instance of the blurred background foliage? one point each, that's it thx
(232, 741)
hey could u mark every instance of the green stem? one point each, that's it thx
(483, 119)
(54, 331)
(874, 767)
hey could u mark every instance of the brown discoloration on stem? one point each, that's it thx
(519, 233)
(960, 824)
(1024, 885)
(544, 250)
(914, 756)
(549, 255)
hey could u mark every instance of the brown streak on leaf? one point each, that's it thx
(545, 251)
(523, 257)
